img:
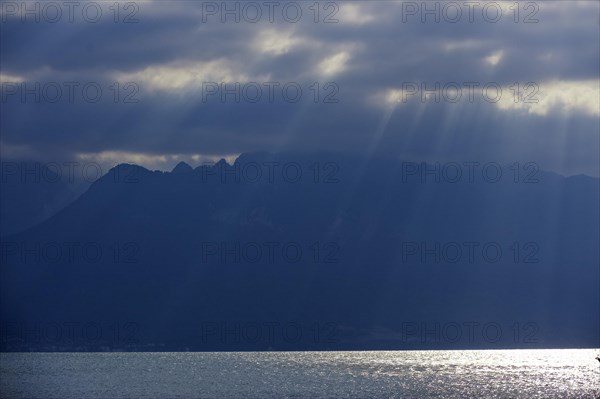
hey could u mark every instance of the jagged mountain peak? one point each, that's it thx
(182, 167)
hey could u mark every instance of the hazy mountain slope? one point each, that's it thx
(186, 251)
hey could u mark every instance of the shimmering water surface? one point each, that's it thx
(379, 374)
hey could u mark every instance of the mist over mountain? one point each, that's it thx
(351, 252)
(32, 192)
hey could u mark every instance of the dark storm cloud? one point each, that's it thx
(374, 49)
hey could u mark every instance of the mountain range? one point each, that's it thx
(300, 252)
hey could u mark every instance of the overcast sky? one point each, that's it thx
(361, 68)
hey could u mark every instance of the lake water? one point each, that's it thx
(378, 374)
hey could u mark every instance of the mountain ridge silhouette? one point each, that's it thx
(179, 252)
